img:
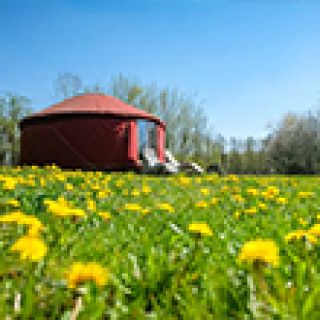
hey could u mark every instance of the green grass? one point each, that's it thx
(156, 268)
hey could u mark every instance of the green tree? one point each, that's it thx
(13, 109)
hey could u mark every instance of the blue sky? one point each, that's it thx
(250, 61)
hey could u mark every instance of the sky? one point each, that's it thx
(250, 62)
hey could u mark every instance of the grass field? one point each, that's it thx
(83, 245)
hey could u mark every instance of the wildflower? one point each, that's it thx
(204, 191)
(201, 228)
(103, 193)
(214, 201)
(252, 192)
(252, 210)
(281, 200)
(135, 192)
(13, 203)
(132, 207)
(146, 189)
(69, 186)
(119, 183)
(91, 205)
(265, 251)
(237, 214)
(238, 198)
(315, 230)
(145, 212)
(184, 181)
(105, 215)
(20, 218)
(165, 207)
(300, 235)
(201, 204)
(224, 189)
(303, 222)
(82, 272)
(305, 194)
(30, 247)
(263, 206)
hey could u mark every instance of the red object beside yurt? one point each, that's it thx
(91, 132)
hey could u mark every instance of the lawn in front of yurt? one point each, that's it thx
(92, 245)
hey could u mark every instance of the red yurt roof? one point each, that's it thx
(94, 103)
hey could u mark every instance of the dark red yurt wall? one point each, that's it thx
(90, 131)
(94, 143)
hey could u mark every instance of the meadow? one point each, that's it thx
(92, 245)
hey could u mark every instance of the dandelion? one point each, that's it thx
(305, 194)
(315, 230)
(214, 201)
(252, 192)
(249, 211)
(30, 247)
(201, 204)
(238, 198)
(204, 191)
(135, 193)
(165, 207)
(300, 235)
(201, 228)
(281, 200)
(224, 189)
(263, 206)
(132, 207)
(303, 222)
(237, 214)
(82, 272)
(265, 251)
(146, 189)
(105, 215)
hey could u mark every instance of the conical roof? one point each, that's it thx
(93, 103)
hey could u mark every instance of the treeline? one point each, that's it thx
(292, 147)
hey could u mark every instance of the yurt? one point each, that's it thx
(90, 132)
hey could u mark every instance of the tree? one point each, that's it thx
(67, 85)
(295, 145)
(13, 109)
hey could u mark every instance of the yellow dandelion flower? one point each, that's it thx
(263, 206)
(132, 207)
(201, 228)
(237, 214)
(224, 189)
(252, 210)
(146, 189)
(315, 230)
(214, 201)
(303, 222)
(265, 251)
(184, 181)
(69, 186)
(201, 204)
(30, 247)
(165, 207)
(252, 192)
(300, 235)
(83, 272)
(135, 193)
(281, 200)
(238, 198)
(204, 191)
(305, 194)
(105, 215)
